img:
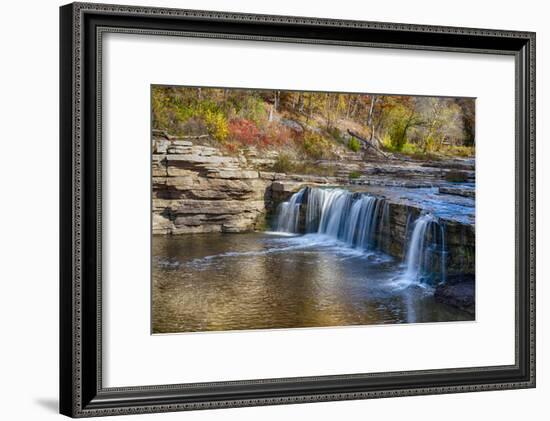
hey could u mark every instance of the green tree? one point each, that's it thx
(402, 117)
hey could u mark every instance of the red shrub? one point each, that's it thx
(244, 131)
(276, 135)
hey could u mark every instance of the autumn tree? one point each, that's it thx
(414, 124)
(467, 108)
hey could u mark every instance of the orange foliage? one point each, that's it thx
(243, 131)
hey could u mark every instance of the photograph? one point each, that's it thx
(279, 209)
(268, 206)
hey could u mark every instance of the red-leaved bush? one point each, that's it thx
(276, 135)
(243, 131)
(246, 132)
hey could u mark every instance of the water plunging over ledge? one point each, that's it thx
(335, 258)
(426, 246)
(362, 221)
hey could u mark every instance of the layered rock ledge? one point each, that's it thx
(197, 189)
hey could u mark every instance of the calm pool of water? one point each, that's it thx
(213, 282)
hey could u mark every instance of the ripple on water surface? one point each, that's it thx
(212, 282)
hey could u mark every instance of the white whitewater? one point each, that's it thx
(357, 219)
(426, 252)
(362, 221)
(289, 213)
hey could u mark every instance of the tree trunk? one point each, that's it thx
(351, 106)
(370, 119)
(368, 144)
(276, 100)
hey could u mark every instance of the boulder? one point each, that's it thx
(262, 162)
(460, 294)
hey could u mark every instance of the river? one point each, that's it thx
(214, 282)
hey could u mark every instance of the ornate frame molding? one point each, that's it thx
(81, 390)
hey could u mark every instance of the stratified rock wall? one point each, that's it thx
(459, 238)
(196, 189)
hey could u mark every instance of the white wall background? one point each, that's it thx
(29, 211)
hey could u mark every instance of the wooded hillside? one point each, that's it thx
(317, 125)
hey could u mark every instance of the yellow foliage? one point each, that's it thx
(316, 145)
(216, 124)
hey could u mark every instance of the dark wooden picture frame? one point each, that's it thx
(81, 390)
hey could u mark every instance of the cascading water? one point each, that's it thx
(384, 231)
(360, 220)
(289, 213)
(426, 252)
(363, 221)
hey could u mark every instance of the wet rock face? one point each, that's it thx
(461, 245)
(196, 189)
(400, 216)
(459, 238)
(279, 192)
(458, 292)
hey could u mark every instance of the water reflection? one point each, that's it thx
(210, 282)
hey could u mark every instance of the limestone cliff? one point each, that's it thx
(197, 189)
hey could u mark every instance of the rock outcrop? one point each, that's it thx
(196, 189)
(459, 293)
(459, 237)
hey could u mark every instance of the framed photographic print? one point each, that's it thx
(263, 210)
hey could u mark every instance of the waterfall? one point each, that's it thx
(426, 253)
(363, 221)
(358, 219)
(385, 231)
(289, 213)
